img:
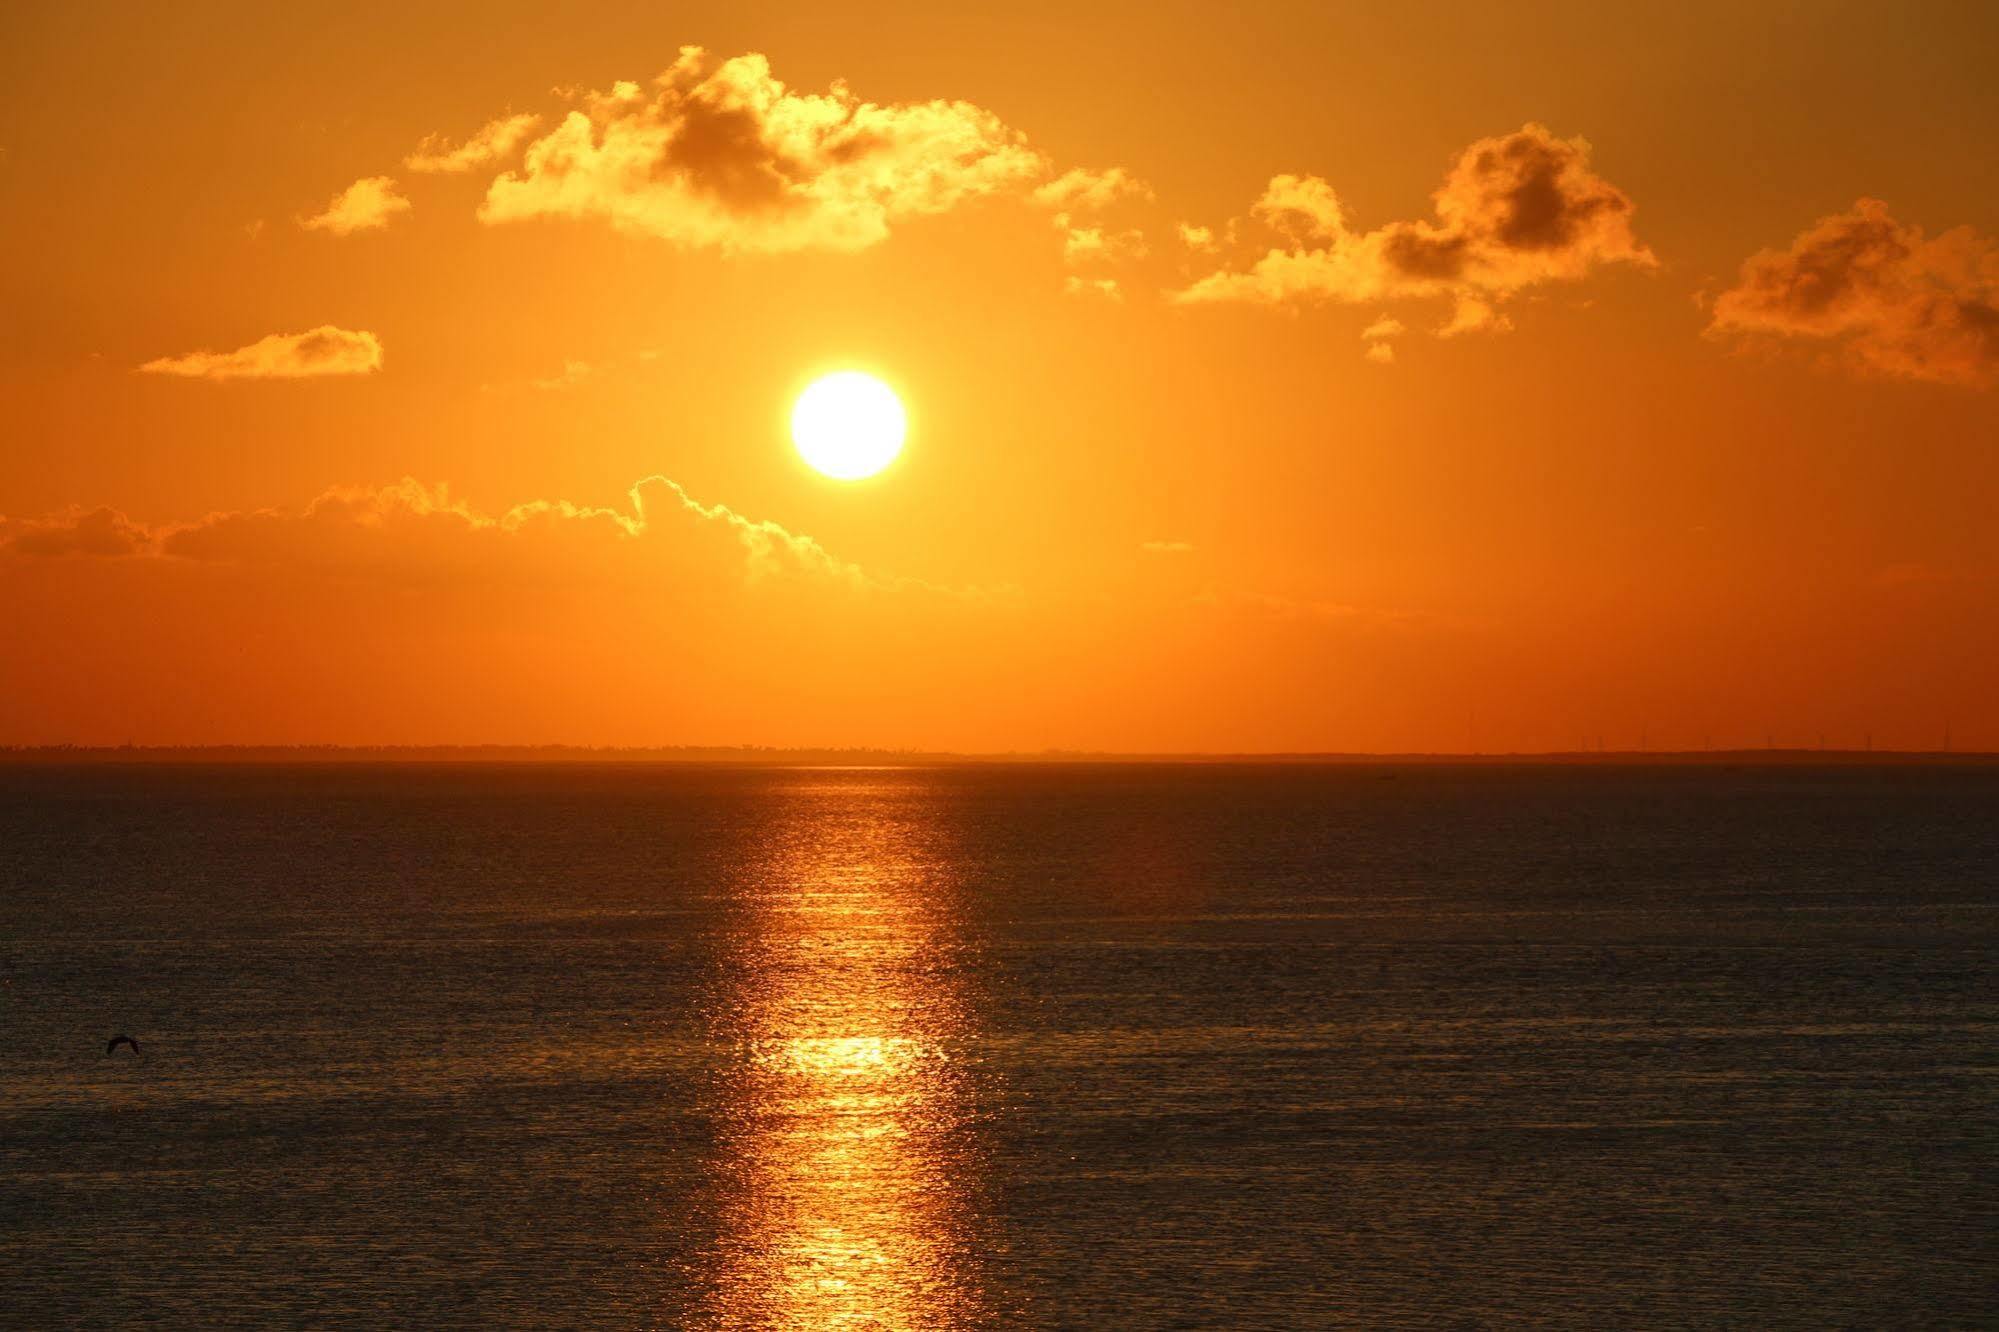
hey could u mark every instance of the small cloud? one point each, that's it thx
(1384, 327)
(1084, 245)
(325, 350)
(1083, 190)
(1088, 192)
(1472, 315)
(1889, 301)
(366, 205)
(254, 228)
(1106, 288)
(1381, 353)
(494, 142)
(1195, 238)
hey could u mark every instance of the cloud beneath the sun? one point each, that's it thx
(318, 352)
(726, 156)
(407, 612)
(1515, 211)
(413, 533)
(412, 536)
(1883, 299)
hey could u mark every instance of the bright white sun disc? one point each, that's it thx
(848, 425)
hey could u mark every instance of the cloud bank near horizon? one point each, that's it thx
(665, 616)
(411, 531)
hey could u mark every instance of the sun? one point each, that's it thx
(848, 425)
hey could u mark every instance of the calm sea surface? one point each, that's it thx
(1106, 1047)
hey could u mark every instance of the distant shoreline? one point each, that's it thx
(744, 756)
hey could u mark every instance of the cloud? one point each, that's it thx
(1514, 211)
(497, 139)
(1104, 288)
(1083, 190)
(728, 157)
(1386, 326)
(1195, 238)
(1302, 207)
(100, 532)
(406, 533)
(414, 534)
(410, 532)
(408, 613)
(1083, 245)
(1381, 353)
(366, 205)
(325, 350)
(1470, 314)
(1087, 191)
(1888, 301)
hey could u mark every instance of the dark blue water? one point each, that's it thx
(1113, 1047)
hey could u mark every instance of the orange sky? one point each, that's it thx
(1362, 377)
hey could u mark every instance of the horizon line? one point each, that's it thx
(890, 756)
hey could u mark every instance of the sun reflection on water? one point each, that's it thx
(844, 1134)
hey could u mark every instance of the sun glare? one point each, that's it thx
(848, 425)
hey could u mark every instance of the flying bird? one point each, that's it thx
(111, 1046)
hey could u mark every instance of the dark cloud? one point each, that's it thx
(1890, 301)
(1514, 211)
(101, 532)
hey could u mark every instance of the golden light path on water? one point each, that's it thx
(850, 1198)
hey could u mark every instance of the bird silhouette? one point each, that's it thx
(111, 1046)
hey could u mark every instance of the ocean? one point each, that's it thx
(998, 1046)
